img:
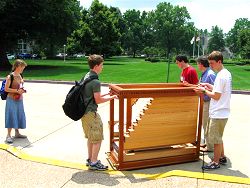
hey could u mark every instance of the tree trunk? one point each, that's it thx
(168, 67)
(168, 52)
(4, 62)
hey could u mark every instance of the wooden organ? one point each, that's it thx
(158, 124)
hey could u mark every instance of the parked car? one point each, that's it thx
(79, 55)
(61, 55)
(24, 56)
(11, 56)
(36, 56)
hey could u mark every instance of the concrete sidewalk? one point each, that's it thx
(58, 141)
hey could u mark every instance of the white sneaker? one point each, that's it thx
(9, 140)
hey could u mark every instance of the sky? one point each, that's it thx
(204, 13)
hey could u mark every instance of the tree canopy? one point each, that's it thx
(236, 36)
(99, 30)
(49, 22)
(216, 41)
(104, 30)
(133, 33)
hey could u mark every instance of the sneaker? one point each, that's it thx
(223, 160)
(211, 166)
(98, 166)
(9, 140)
(88, 162)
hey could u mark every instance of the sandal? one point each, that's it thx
(222, 160)
(20, 136)
(211, 166)
(203, 145)
(205, 149)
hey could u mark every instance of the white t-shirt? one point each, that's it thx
(220, 109)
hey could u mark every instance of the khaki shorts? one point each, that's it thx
(216, 130)
(93, 127)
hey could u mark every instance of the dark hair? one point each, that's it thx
(203, 60)
(216, 55)
(94, 60)
(182, 58)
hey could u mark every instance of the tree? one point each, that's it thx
(133, 35)
(99, 30)
(81, 38)
(15, 24)
(244, 43)
(59, 19)
(233, 34)
(170, 24)
(46, 21)
(148, 36)
(216, 41)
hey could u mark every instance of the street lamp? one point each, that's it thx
(64, 52)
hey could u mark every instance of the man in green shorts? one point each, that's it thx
(91, 120)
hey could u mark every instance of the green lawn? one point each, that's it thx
(120, 70)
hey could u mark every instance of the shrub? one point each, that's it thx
(154, 60)
(192, 61)
(237, 61)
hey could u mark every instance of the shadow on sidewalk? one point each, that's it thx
(103, 178)
(21, 143)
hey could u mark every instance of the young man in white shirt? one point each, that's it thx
(220, 94)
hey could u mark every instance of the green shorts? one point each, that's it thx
(216, 130)
(93, 127)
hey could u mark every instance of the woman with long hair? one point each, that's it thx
(14, 109)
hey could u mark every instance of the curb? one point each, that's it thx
(181, 173)
(243, 92)
(53, 82)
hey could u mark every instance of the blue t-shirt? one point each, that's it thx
(208, 76)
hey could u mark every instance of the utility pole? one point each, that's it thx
(198, 39)
(203, 43)
(193, 42)
(64, 52)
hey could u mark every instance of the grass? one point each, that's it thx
(121, 70)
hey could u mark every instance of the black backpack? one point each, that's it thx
(3, 93)
(74, 106)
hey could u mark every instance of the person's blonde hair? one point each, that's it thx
(17, 63)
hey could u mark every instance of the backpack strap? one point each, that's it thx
(92, 77)
(11, 79)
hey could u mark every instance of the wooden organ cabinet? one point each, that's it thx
(157, 124)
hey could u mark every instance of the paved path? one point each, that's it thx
(54, 153)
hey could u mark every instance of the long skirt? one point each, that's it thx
(14, 114)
